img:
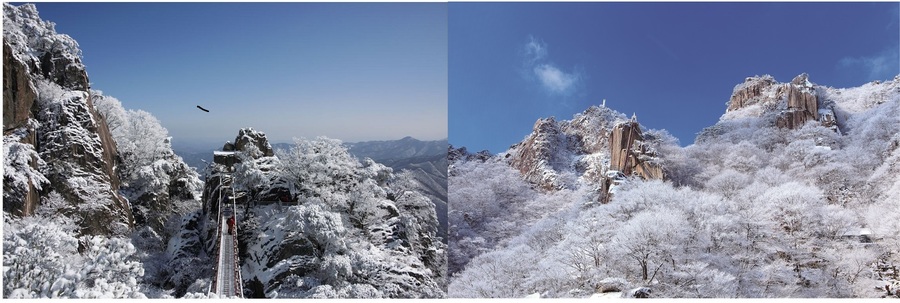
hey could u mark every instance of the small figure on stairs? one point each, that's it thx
(231, 225)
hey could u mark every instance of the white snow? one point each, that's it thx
(607, 295)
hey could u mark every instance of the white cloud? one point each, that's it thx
(551, 78)
(555, 80)
(880, 66)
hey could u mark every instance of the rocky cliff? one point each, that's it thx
(47, 105)
(56, 133)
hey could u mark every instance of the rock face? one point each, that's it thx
(18, 90)
(18, 107)
(45, 95)
(802, 104)
(750, 92)
(621, 143)
(629, 156)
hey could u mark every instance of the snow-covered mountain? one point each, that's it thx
(406, 148)
(795, 192)
(89, 188)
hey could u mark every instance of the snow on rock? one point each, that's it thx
(752, 91)
(640, 292)
(54, 56)
(22, 178)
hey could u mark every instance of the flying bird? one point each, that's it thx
(203, 109)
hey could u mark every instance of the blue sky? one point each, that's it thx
(673, 64)
(351, 71)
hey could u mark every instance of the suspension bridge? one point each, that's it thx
(227, 281)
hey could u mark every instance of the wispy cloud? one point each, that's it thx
(880, 66)
(555, 80)
(535, 50)
(551, 78)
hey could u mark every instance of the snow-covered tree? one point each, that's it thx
(43, 259)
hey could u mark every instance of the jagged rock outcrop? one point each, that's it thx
(541, 154)
(256, 138)
(554, 148)
(45, 82)
(789, 105)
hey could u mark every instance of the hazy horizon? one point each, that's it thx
(352, 71)
(194, 145)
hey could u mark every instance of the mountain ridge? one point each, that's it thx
(779, 188)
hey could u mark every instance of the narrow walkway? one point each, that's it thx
(227, 266)
(227, 281)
